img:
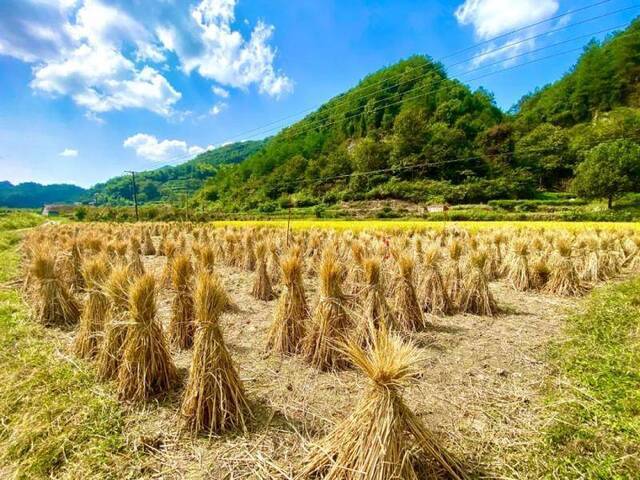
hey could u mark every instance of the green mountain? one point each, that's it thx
(35, 195)
(427, 137)
(172, 183)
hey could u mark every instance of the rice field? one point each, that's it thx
(335, 350)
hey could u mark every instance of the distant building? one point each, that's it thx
(55, 209)
(438, 208)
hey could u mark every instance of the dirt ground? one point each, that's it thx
(480, 390)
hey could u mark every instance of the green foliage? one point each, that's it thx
(596, 410)
(605, 77)
(172, 183)
(610, 170)
(34, 195)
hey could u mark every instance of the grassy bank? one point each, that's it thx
(55, 419)
(595, 403)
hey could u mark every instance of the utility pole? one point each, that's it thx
(135, 193)
(289, 220)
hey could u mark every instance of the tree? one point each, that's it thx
(610, 170)
(545, 152)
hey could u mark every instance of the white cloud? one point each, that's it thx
(491, 18)
(220, 92)
(110, 55)
(69, 152)
(222, 54)
(218, 108)
(494, 17)
(148, 147)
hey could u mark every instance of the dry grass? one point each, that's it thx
(147, 367)
(214, 399)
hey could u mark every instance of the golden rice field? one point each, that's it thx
(336, 350)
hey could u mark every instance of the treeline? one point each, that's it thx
(35, 195)
(172, 183)
(427, 137)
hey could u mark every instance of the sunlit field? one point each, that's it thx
(234, 347)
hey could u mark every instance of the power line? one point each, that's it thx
(311, 125)
(567, 13)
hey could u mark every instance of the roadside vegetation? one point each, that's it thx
(594, 402)
(55, 418)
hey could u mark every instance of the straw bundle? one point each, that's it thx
(329, 323)
(147, 367)
(287, 327)
(432, 290)
(147, 244)
(477, 297)
(262, 283)
(214, 399)
(181, 326)
(454, 274)
(53, 305)
(564, 279)
(94, 310)
(408, 313)
(376, 312)
(117, 291)
(518, 266)
(382, 439)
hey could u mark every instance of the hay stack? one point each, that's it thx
(262, 283)
(147, 367)
(518, 266)
(454, 273)
(181, 326)
(148, 247)
(432, 290)
(564, 279)
(287, 328)
(408, 313)
(53, 305)
(95, 309)
(382, 439)
(376, 312)
(329, 323)
(111, 349)
(477, 297)
(214, 399)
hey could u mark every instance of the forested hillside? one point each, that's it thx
(170, 183)
(428, 138)
(35, 195)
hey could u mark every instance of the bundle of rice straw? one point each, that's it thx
(135, 263)
(53, 305)
(262, 283)
(147, 245)
(432, 290)
(77, 279)
(408, 313)
(111, 348)
(274, 263)
(382, 439)
(249, 255)
(288, 325)
(564, 279)
(329, 323)
(376, 312)
(477, 297)
(181, 326)
(539, 273)
(518, 266)
(147, 367)
(454, 274)
(95, 309)
(214, 399)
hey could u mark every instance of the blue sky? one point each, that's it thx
(91, 88)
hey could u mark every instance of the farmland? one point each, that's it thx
(489, 331)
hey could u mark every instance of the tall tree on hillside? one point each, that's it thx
(545, 152)
(610, 170)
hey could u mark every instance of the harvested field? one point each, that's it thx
(480, 378)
